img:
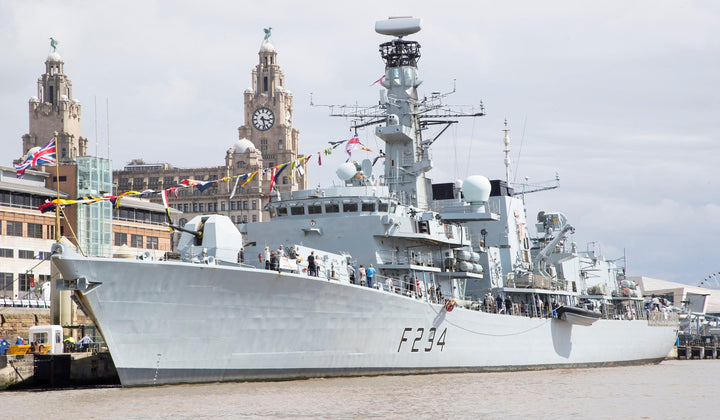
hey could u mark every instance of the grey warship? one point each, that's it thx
(461, 283)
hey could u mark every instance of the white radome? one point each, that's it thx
(346, 171)
(476, 189)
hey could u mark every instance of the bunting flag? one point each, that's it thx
(232, 194)
(378, 80)
(352, 144)
(164, 196)
(252, 175)
(45, 156)
(50, 206)
(292, 168)
(173, 191)
(201, 185)
(280, 168)
(206, 184)
(272, 183)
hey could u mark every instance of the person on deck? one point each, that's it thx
(351, 273)
(273, 261)
(361, 270)
(312, 268)
(370, 273)
(266, 256)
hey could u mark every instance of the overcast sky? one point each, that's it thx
(620, 98)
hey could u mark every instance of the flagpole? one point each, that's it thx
(57, 187)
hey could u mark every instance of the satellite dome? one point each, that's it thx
(243, 146)
(34, 99)
(76, 101)
(54, 58)
(267, 47)
(346, 171)
(476, 189)
(64, 98)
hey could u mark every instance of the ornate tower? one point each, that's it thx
(54, 109)
(268, 117)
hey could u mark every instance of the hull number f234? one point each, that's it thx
(417, 340)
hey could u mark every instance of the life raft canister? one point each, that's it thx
(449, 305)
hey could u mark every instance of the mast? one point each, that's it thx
(506, 140)
(407, 159)
(400, 117)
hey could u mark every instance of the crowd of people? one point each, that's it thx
(534, 307)
(69, 344)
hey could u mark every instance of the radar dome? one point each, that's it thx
(243, 146)
(346, 171)
(476, 189)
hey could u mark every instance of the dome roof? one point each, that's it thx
(243, 146)
(54, 57)
(267, 47)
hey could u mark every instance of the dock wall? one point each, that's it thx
(46, 371)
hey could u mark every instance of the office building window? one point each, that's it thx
(136, 241)
(6, 284)
(26, 254)
(120, 239)
(152, 242)
(13, 228)
(34, 230)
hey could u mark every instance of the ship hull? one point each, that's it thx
(175, 322)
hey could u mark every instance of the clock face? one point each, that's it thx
(263, 119)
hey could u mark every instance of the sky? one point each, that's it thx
(620, 100)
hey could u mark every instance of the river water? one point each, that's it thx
(674, 389)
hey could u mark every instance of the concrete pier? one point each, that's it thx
(47, 371)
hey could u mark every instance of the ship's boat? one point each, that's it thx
(460, 283)
(577, 316)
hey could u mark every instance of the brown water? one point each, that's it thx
(671, 390)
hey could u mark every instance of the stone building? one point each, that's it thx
(267, 139)
(26, 235)
(55, 110)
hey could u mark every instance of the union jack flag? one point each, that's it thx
(45, 156)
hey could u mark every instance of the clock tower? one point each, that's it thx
(269, 120)
(54, 110)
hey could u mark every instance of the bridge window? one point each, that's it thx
(350, 207)
(368, 206)
(315, 208)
